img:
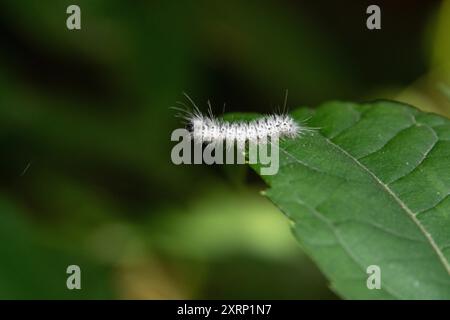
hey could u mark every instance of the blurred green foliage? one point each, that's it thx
(88, 111)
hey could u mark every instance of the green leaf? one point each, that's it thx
(371, 187)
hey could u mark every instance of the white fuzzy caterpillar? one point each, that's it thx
(209, 129)
(251, 139)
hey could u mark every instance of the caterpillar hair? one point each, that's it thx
(209, 129)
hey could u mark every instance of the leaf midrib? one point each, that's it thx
(405, 208)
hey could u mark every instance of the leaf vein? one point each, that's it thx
(405, 208)
(422, 160)
(340, 241)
